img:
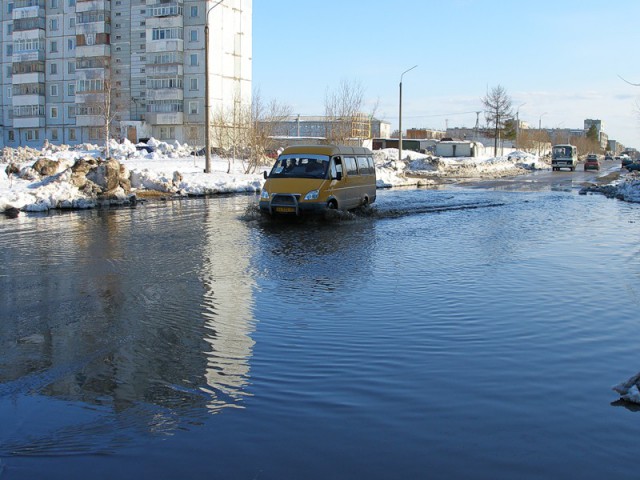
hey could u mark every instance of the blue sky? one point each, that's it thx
(562, 59)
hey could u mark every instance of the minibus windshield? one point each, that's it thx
(300, 166)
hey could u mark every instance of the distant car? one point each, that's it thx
(608, 157)
(625, 160)
(591, 163)
(632, 166)
(144, 147)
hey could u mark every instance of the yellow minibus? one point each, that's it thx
(311, 179)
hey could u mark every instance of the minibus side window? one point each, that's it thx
(372, 165)
(350, 163)
(363, 166)
(336, 168)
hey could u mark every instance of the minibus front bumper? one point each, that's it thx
(289, 204)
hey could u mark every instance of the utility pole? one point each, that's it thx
(400, 115)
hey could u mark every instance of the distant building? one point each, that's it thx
(424, 133)
(362, 126)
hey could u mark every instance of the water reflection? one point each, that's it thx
(228, 308)
(145, 315)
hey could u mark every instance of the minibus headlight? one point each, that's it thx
(312, 195)
(264, 195)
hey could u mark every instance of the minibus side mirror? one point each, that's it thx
(338, 176)
(265, 174)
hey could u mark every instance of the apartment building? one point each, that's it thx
(68, 67)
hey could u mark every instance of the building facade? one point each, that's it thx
(69, 67)
(360, 126)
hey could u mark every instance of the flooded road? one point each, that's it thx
(452, 333)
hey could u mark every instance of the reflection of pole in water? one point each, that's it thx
(228, 305)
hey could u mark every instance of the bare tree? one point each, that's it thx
(497, 112)
(343, 111)
(247, 130)
(265, 118)
(106, 104)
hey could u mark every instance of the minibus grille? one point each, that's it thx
(288, 199)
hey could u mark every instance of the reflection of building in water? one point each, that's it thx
(228, 302)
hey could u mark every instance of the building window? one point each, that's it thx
(193, 35)
(53, 69)
(53, 24)
(54, 134)
(71, 67)
(194, 84)
(54, 112)
(194, 59)
(71, 89)
(193, 108)
(54, 90)
(70, 44)
(54, 3)
(143, 35)
(9, 28)
(9, 92)
(194, 12)
(72, 22)
(72, 3)
(71, 111)
(32, 135)
(53, 46)
(72, 134)
(12, 136)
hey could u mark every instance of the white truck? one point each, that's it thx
(564, 156)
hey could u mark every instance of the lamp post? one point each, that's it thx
(400, 115)
(207, 116)
(540, 121)
(518, 122)
(540, 131)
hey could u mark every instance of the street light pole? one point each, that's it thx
(540, 121)
(400, 115)
(207, 116)
(518, 122)
(540, 131)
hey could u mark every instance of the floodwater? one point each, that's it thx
(455, 333)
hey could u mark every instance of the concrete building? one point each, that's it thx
(68, 66)
(361, 126)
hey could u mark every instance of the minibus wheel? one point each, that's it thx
(332, 205)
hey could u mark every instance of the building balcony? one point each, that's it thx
(166, 9)
(174, 118)
(27, 9)
(28, 99)
(92, 5)
(29, 23)
(175, 45)
(22, 78)
(165, 94)
(171, 69)
(101, 50)
(29, 122)
(93, 27)
(28, 56)
(89, 120)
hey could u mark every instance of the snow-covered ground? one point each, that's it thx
(171, 168)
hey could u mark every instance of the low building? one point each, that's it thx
(458, 148)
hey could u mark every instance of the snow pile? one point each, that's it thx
(628, 189)
(173, 169)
